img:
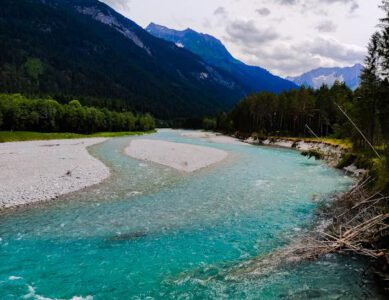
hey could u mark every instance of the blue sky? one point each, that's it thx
(287, 37)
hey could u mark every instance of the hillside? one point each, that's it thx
(84, 49)
(253, 79)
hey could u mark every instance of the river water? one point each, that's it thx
(150, 232)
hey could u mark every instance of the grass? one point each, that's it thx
(345, 144)
(18, 136)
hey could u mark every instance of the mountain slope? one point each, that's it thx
(316, 78)
(84, 49)
(254, 79)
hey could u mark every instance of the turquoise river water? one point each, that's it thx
(150, 232)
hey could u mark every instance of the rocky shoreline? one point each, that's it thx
(331, 154)
(38, 171)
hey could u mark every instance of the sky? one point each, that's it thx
(287, 37)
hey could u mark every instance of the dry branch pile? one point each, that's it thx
(360, 223)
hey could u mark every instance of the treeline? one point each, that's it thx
(292, 113)
(47, 115)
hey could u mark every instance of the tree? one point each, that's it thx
(47, 115)
(34, 68)
(209, 123)
(365, 106)
(383, 49)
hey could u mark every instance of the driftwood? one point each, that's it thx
(358, 223)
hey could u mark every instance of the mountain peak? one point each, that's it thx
(317, 77)
(212, 51)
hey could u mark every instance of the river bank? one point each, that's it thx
(331, 152)
(44, 170)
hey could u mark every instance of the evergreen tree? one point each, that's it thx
(367, 98)
(384, 40)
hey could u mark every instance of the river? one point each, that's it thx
(150, 232)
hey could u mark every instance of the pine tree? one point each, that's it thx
(384, 40)
(365, 106)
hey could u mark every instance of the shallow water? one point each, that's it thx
(152, 232)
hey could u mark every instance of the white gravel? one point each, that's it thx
(182, 157)
(37, 171)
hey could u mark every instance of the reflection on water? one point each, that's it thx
(150, 231)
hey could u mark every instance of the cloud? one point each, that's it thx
(285, 58)
(264, 11)
(220, 11)
(247, 33)
(335, 50)
(122, 6)
(312, 4)
(353, 3)
(287, 2)
(326, 26)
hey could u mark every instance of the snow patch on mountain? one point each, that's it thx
(328, 80)
(328, 76)
(203, 75)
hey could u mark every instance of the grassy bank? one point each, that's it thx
(18, 136)
(344, 144)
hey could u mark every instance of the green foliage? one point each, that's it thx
(47, 115)
(209, 123)
(291, 113)
(380, 173)
(75, 103)
(34, 68)
(224, 123)
(145, 122)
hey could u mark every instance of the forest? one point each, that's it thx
(19, 113)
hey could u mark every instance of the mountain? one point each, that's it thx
(316, 78)
(211, 50)
(84, 49)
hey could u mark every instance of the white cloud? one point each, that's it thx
(326, 26)
(246, 32)
(220, 11)
(285, 58)
(264, 11)
(122, 6)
